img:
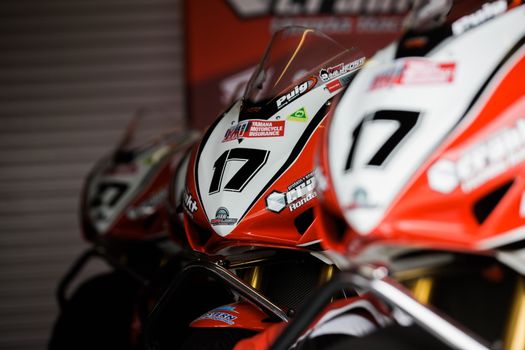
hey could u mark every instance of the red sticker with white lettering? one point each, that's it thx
(415, 72)
(255, 129)
(333, 86)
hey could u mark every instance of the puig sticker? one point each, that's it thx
(486, 12)
(295, 92)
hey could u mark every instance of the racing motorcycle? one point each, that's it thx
(422, 167)
(123, 217)
(248, 200)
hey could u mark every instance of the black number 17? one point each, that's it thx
(254, 161)
(406, 119)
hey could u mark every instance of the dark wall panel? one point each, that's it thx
(72, 74)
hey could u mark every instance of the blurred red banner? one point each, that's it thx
(225, 39)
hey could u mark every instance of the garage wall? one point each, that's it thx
(72, 73)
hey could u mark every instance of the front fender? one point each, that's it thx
(236, 315)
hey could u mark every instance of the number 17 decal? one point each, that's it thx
(254, 160)
(406, 120)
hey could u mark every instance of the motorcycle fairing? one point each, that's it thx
(250, 179)
(252, 230)
(462, 189)
(121, 195)
(395, 120)
(271, 154)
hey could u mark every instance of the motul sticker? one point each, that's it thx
(219, 316)
(330, 73)
(295, 92)
(299, 115)
(222, 217)
(299, 193)
(415, 72)
(255, 129)
(481, 163)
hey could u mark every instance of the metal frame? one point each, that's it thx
(217, 270)
(376, 280)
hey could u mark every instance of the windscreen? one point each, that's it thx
(294, 55)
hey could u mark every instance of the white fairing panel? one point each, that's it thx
(227, 201)
(396, 112)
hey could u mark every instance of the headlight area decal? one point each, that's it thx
(298, 194)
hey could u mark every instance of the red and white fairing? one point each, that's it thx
(418, 145)
(125, 194)
(272, 152)
(251, 177)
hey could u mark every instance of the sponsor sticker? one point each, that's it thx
(334, 85)
(486, 12)
(360, 200)
(480, 163)
(226, 308)
(219, 316)
(189, 203)
(255, 129)
(330, 73)
(295, 92)
(299, 193)
(222, 217)
(299, 115)
(415, 72)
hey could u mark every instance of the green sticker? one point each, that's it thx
(299, 115)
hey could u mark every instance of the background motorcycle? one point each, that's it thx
(248, 200)
(423, 165)
(123, 215)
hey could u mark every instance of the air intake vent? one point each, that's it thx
(304, 220)
(486, 205)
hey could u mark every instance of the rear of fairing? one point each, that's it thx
(251, 179)
(427, 151)
(124, 196)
